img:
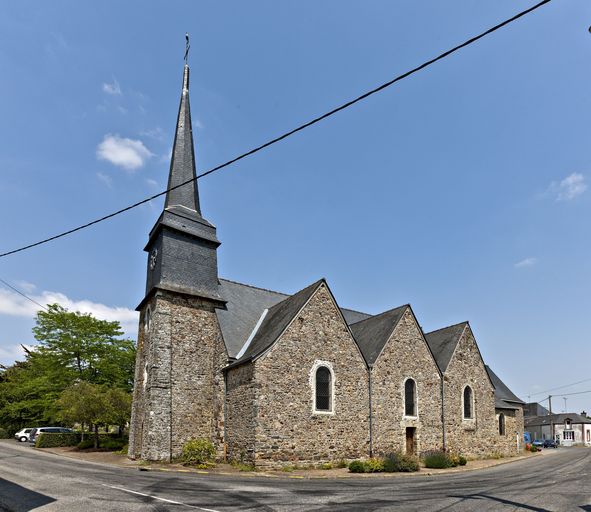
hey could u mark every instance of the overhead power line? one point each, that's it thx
(22, 293)
(291, 132)
(559, 387)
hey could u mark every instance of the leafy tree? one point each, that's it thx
(88, 349)
(73, 348)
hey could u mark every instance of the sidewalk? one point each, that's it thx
(119, 460)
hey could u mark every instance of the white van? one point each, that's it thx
(23, 435)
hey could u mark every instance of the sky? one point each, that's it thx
(462, 190)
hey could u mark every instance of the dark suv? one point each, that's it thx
(50, 430)
(550, 443)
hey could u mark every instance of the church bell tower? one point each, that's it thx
(178, 388)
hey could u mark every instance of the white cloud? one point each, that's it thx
(152, 183)
(129, 154)
(105, 178)
(112, 88)
(527, 262)
(26, 286)
(568, 189)
(13, 304)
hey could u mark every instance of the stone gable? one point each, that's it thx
(287, 427)
(474, 436)
(406, 355)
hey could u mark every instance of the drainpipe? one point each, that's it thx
(225, 416)
(443, 412)
(370, 414)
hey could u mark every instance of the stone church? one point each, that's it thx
(271, 378)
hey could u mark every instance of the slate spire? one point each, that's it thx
(182, 163)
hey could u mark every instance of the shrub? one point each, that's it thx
(437, 460)
(198, 452)
(374, 466)
(534, 449)
(4, 434)
(113, 444)
(52, 440)
(342, 463)
(462, 460)
(326, 465)
(400, 462)
(357, 466)
(84, 445)
(454, 460)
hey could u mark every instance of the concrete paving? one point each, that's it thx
(33, 480)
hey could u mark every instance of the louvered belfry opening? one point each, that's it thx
(323, 389)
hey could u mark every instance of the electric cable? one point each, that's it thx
(289, 133)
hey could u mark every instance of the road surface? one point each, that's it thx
(33, 480)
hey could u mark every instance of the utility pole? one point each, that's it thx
(565, 399)
(550, 403)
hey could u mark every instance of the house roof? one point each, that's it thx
(504, 397)
(373, 333)
(443, 342)
(244, 308)
(555, 419)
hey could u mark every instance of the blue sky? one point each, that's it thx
(462, 190)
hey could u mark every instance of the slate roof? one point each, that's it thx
(276, 321)
(244, 307)
(372, 333)
(443, 342)
(556, 419)
(504, 397)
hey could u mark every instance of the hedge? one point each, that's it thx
(51, 439)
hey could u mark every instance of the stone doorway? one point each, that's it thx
(411, 440)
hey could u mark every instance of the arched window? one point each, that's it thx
(501, 424)
(468, 413)
(410, 398)
(323, 389)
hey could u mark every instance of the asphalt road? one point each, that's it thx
(32, 480)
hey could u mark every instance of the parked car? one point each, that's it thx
(550, 443)
(539, 443)
(50, 430)
(23, 434)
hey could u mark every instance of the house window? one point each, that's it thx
(569, 435)
(410, 397)
(567, 423)
(468, 412)
(588, 436)
(323, 389)
(501, 424)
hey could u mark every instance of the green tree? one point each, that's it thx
(88, 349)
(73, 348)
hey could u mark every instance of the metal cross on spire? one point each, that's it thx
(187, 46)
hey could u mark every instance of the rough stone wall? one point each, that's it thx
(473, 437)
(287, 428)
(139, 393)
(406, 355)
(512, 442)
(241, 407)
(179, 392)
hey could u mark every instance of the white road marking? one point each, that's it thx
(161, 499)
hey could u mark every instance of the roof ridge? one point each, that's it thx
(448, 327)
(257, 287)
(379, 314)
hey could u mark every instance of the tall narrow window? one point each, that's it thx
(468, 413)
(410, 398)
(323, 389)
(501, 424)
